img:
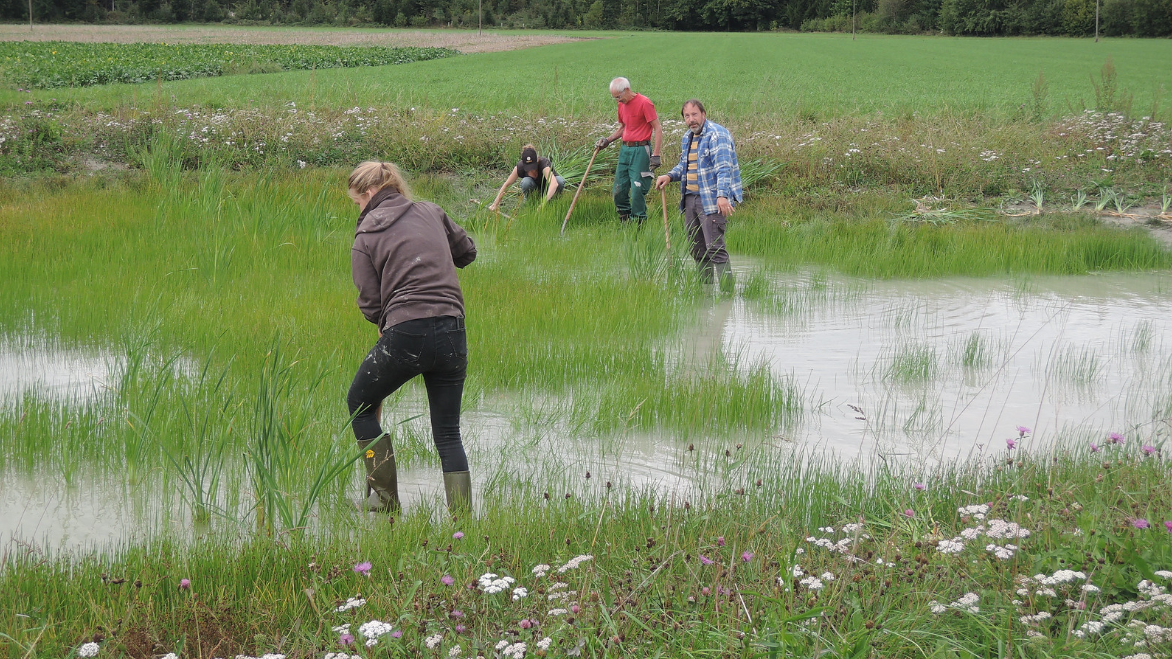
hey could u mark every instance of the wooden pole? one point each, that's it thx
(666, 230)
(579, 191)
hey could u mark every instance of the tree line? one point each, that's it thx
(1143, 18)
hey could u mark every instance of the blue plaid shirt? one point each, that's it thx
(717, 171)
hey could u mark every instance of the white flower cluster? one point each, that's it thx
(1003, 553)
(1001, 529)
(432, 642)
(540, 570)
(976, 511)
(170, 655)
(573, 563)
(352, 603)
(88, 650)
(513, 651)
(851, 528)
(1164, 574)
(1019, 497)
(492, 583)
(967, 602)
(797, 571)
(1036, 618)
(336, 655)
(1149, 589)
(842, 546)
(1089, 627)
(544, 643)
(1058, 578)
(558, 592)
(520, 593)
(827, 576)
(372, 630)
(557, 612)
(813, 583)
(953, 546)
(454, 652)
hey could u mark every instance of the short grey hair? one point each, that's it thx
(619, 84)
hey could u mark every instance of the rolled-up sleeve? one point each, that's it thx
(366, 279)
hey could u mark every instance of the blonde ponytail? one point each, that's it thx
(378, 175)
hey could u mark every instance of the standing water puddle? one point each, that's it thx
(924, 370)
(938, 368)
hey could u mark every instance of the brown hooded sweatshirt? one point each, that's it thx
(404, 260)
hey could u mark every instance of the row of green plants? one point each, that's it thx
(50, 64)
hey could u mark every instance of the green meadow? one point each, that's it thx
(217, 289)
(737, 75)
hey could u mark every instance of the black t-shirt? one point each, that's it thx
(542, 163)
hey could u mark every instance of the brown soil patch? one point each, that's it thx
(464, 41)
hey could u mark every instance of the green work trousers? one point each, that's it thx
(632, 181)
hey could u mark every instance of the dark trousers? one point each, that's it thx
(706, 232)
(435, 348)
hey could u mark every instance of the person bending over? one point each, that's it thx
(404, 262)
(535, 173)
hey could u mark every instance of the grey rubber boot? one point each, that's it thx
(382, 478)
(458, 488)
(724, 277)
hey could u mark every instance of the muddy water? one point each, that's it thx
(62, 374)
(939, 368)
(912, 370)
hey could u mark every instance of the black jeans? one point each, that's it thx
(435, 348)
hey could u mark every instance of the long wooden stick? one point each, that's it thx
(578, 191)
(666, 231)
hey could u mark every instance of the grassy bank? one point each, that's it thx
(801, 557)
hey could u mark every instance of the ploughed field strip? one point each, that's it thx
(464, 41)
(50, 64)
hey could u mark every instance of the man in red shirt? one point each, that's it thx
(633, 177)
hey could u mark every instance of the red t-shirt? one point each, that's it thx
(636, 117)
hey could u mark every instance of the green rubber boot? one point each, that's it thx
(724, 277)
(382, 478)
(458, 488)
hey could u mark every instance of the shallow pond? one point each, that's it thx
(913, 370)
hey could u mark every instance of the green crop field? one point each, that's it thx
(648, 487)
(49, 64)
(741, 75)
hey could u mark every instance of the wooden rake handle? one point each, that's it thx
(579, 191)
(666, 230)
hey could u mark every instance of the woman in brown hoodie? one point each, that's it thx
(404, 264)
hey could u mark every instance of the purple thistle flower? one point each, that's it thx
(458, 535)
(1095, 448)
(747, 556)
(1022, 431)
(1168, 525)
(457, 613)
(447, 580)
(705, 591)
(1148, 449)
(363, 568)
(720, 541)
(1140, 523)
(1011, 443)
(705, 560)
(398, 633)
(574, 608)
(346, 640)
(909, 513)
(919, 486)
(185, 584)
(460, 629)
(1115, 438)
(526, 624)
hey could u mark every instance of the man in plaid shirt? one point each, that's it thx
(710, 183)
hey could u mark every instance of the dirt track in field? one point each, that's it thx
(464, 41)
